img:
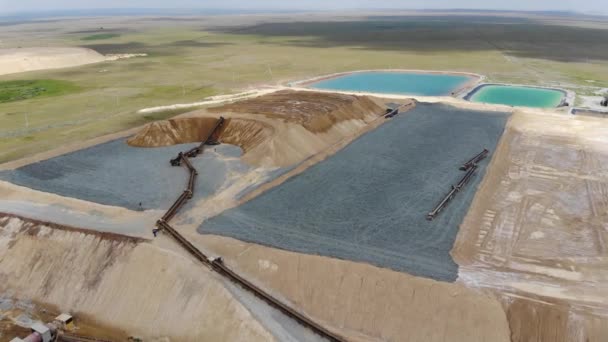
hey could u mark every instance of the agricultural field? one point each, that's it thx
(11, 91)
(100, 36)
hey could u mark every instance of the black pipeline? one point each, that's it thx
(217, 264)
(479, 157)
(193, 152)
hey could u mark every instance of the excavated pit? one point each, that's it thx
(244, 133)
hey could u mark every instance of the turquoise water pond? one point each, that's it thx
(517, 96)
(395, 83)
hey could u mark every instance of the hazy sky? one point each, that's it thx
(7, 6)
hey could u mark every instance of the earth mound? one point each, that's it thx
(278, 129)
(316, 111)
(241, 132)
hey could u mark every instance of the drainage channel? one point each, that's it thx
(217, 264)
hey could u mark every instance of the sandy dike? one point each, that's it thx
(16, 60)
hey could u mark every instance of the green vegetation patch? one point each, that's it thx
(101, 36)
(19, 90)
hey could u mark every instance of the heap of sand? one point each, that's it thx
(17, 60)
(278, 129)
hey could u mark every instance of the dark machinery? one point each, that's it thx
(470, 167)
(177, 161)
(209, 140)
(450, 195)
(479, 157)
(391, 112)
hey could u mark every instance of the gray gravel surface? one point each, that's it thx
(368, 202)
(117, 174)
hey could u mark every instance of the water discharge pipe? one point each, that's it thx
(470, 166)
(479, 157)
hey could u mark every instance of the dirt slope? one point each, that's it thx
(121, 282)
(367, 302)
(245, 133)
(317, 112)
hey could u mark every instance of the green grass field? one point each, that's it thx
(19, 90)
(101, 36)
(189, 60)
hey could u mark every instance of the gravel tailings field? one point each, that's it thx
(117, 174)
(368, 202)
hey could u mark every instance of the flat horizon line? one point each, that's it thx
(219, 11)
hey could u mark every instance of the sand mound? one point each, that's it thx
(317, 112)
(278, 129)
(29, 59)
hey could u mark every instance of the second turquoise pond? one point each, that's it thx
(517, 96)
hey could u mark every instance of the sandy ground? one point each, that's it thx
(367, 303)
(29, 59)
(593, 103)
(537, 227)
(213, 100)
(85, 273)
(16, 60)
